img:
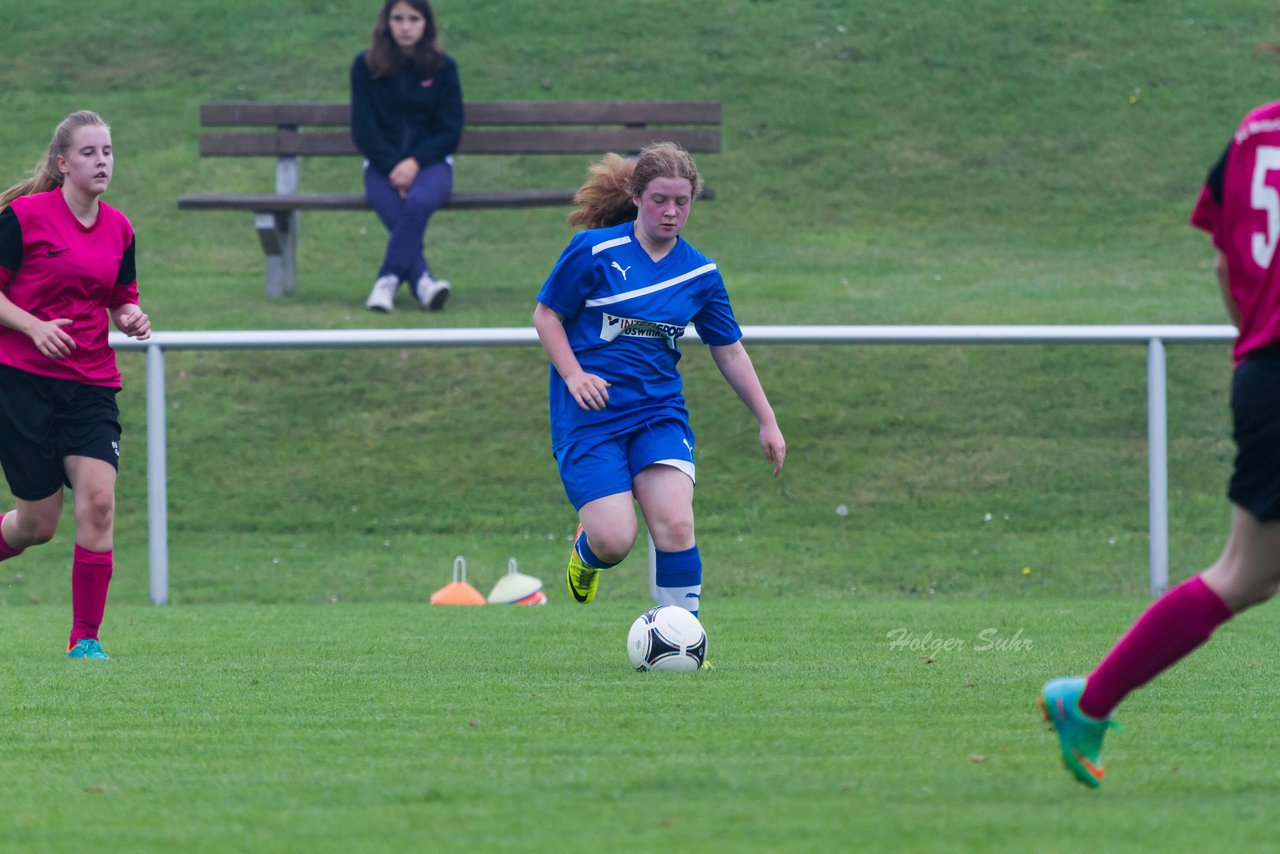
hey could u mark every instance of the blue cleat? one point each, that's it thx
(87, 649)
(1079, 736)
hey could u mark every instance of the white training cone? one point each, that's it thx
(516, 588)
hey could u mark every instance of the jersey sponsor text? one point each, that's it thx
(612, 326)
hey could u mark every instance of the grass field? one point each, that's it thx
(822, 726)
(937, 163)
(921, 162)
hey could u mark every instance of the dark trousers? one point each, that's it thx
(406, 217)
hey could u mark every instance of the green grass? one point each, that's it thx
(391, 727)
(929, 163)
(921, 162)
(937, 163)
(933, 162)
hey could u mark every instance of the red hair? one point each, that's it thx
(608, 196)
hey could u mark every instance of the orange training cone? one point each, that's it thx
(458, 591)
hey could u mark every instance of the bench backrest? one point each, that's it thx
(506, 127)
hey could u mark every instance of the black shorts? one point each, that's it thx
(44, 420)
(1255, 407)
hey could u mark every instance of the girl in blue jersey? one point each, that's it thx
(609, 317)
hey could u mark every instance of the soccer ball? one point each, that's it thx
(667, 638)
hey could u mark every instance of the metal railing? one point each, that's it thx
(1153, 337)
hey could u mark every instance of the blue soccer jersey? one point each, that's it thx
(624, 314)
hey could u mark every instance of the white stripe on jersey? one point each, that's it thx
(639, 292)
(609, 244)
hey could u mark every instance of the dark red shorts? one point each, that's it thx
(1255, 408)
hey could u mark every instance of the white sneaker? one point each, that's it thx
(432, 293)
(382, 296)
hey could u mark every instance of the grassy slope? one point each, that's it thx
(980, 162)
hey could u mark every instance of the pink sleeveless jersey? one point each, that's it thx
(65, 270)
(1240, 207)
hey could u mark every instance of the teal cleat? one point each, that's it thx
(1079, 735)
(87, 649)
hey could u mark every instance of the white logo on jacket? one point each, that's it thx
(620, 269)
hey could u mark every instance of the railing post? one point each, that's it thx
(157, 477)
(1157, 467)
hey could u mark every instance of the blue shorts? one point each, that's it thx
(593, 469)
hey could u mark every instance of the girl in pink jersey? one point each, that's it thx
(66, 266)
(1240, 207)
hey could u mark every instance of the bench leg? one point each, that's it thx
(278, 233)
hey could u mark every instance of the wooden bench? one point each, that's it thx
(290, 132)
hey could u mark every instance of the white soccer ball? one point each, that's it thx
(667, 638)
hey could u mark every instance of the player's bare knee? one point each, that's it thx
(614, 548)
(38, 531)
(33, 528)
(96, 511)
(673, 534)
(612, 544)
(1252, 591)
(1267, 587)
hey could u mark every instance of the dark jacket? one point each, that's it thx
(404, 115)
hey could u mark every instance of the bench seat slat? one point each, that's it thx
(479, 113)
(281, 202)
(286, 143)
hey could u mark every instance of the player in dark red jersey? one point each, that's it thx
(1240, 208)
(66, 265)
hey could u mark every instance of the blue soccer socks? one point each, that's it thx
(679, 578)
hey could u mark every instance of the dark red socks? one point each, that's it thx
(90, 578)
(1173, 626)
